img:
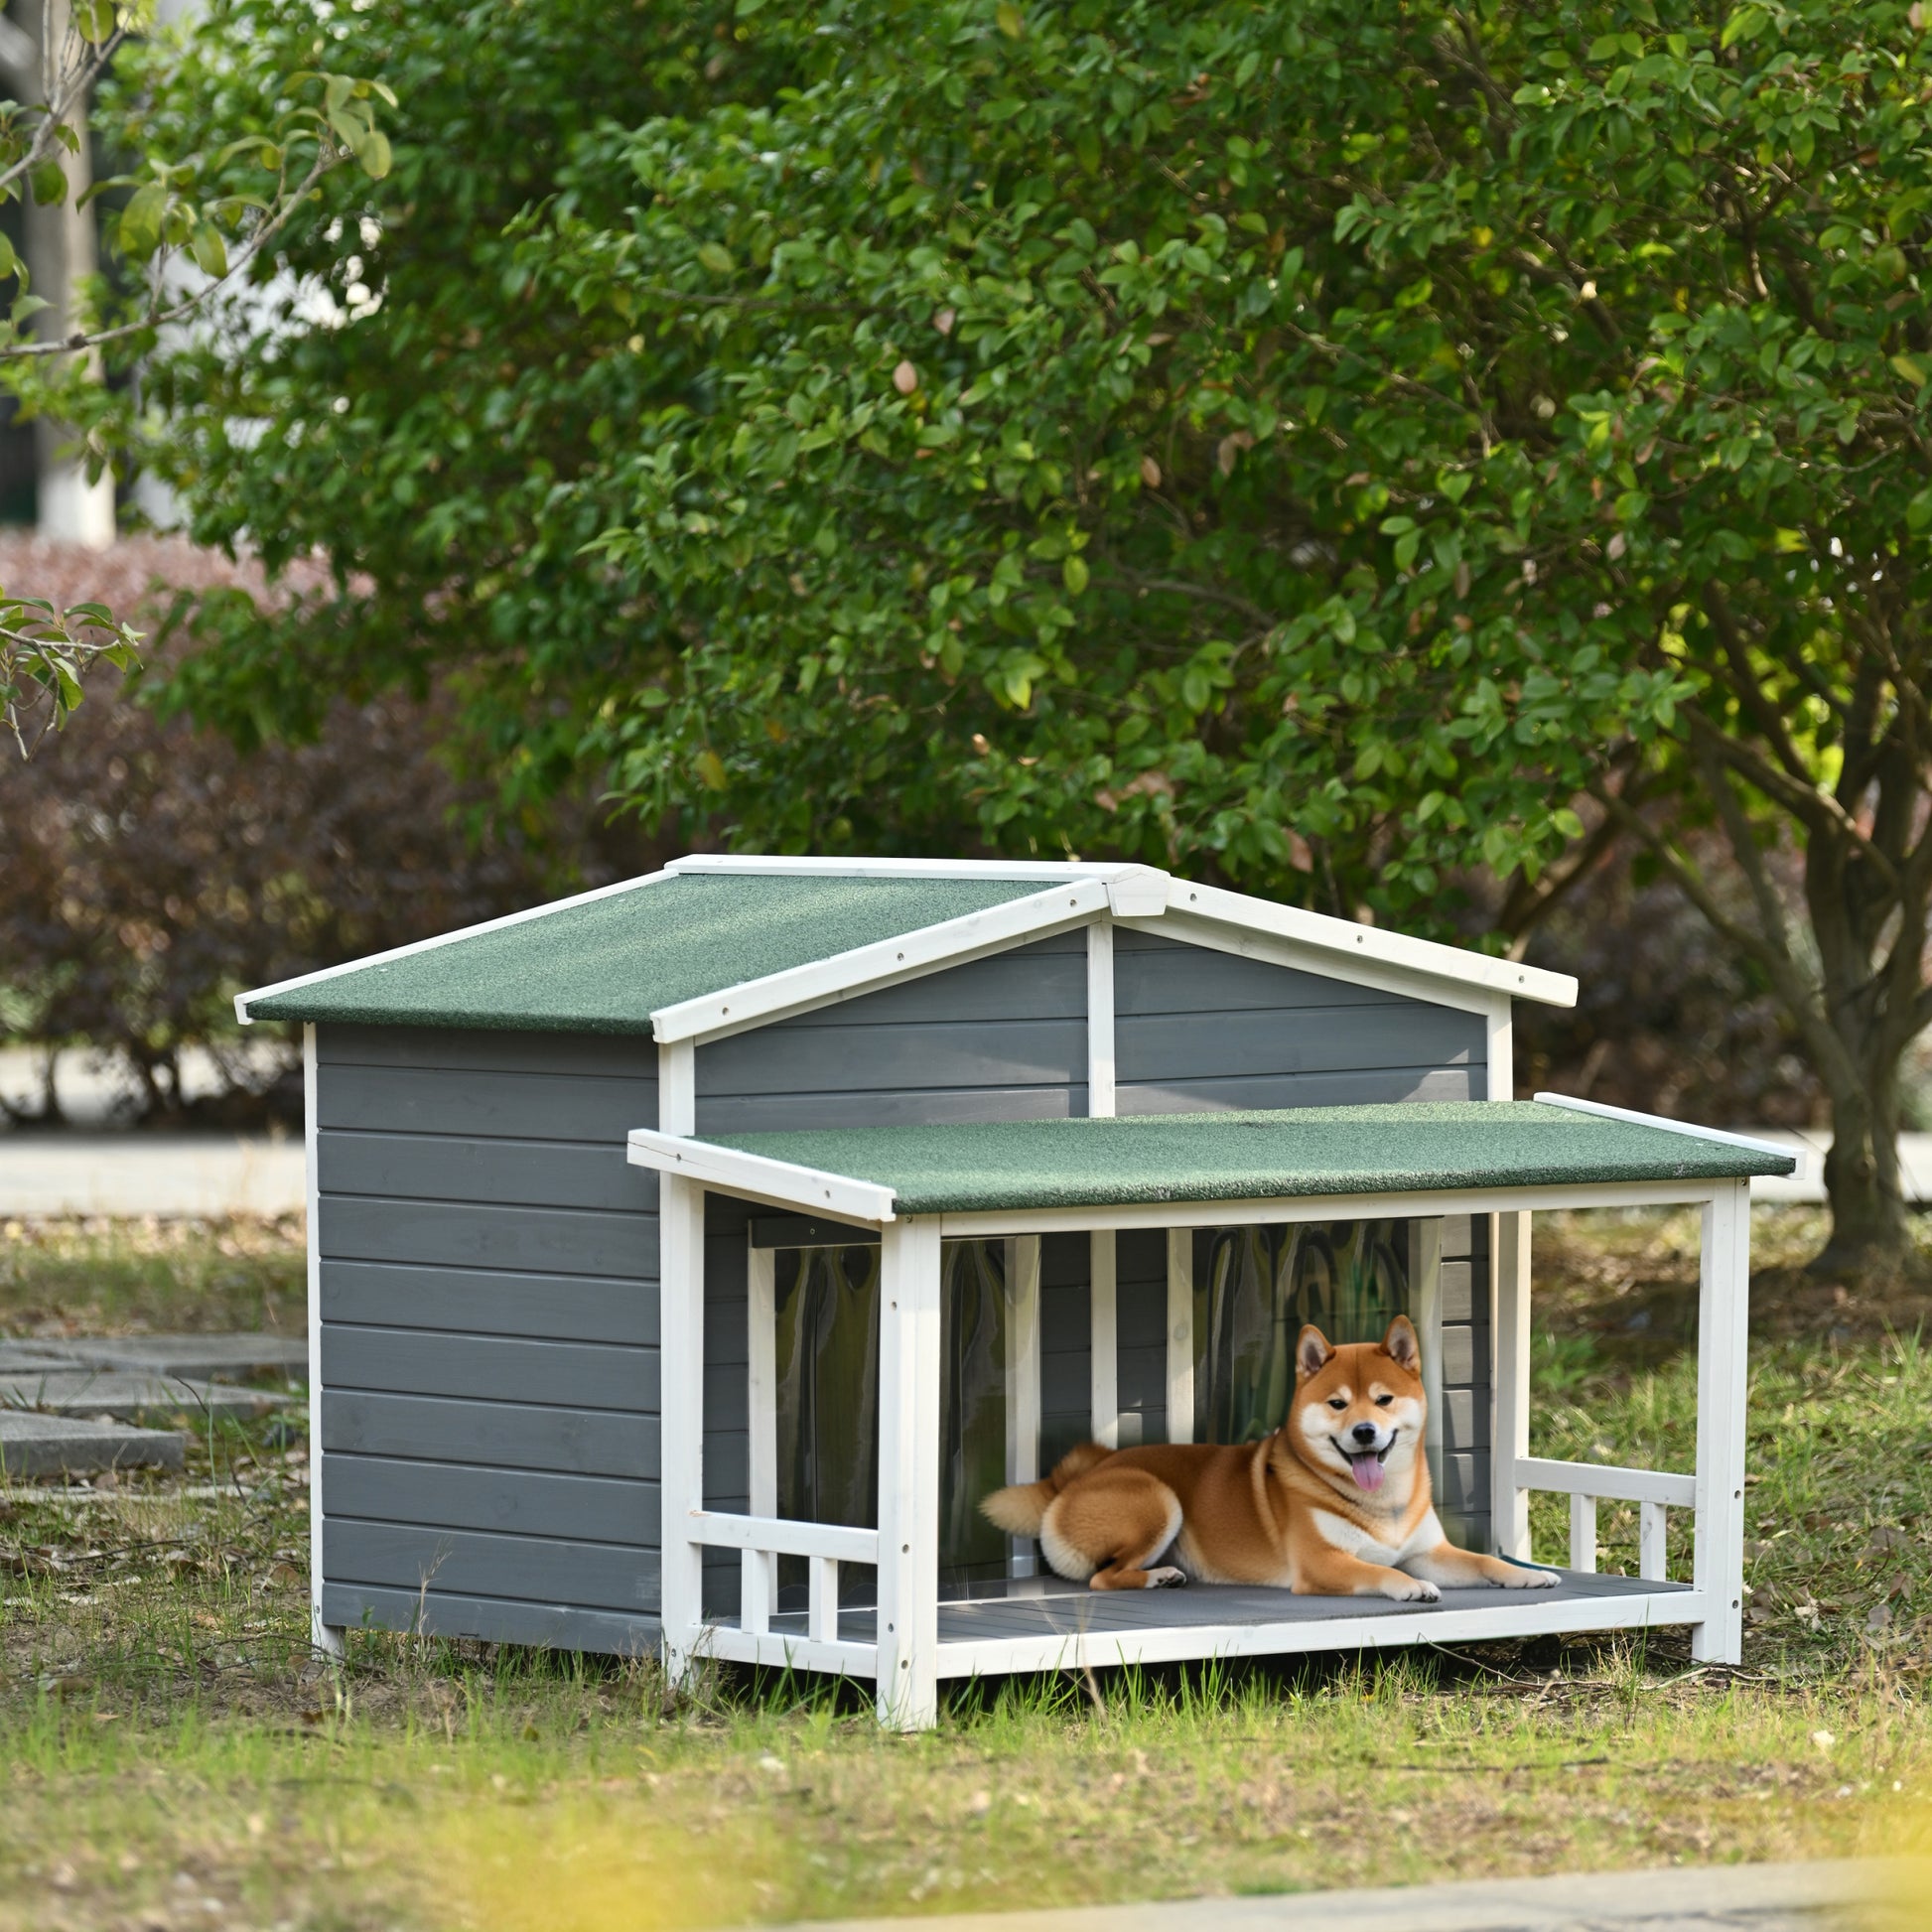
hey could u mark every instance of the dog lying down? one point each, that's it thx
(1334, 1503)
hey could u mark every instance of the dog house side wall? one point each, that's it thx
(1198, 1028)
(487, 1410)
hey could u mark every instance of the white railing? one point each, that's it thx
(1588, 1483)
(762, 1541)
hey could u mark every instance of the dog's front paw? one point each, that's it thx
(1530, 1579)
(1413, 1590)
(1166, 1578)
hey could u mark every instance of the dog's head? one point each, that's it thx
(1358, 1410)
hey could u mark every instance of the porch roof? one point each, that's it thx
(1406, 1148)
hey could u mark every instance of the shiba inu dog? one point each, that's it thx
(1335, 1503)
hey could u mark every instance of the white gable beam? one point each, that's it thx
(757, 1176)
(868, 969)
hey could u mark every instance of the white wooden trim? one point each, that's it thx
(1181, 1334)
(822, 1600)
(1518, 1614)
(1583, 1533)
(757, 1174)
(795, 865)
(1685, 1127)
(762, 1405)
(1510, 1441)
(1724, 1312)
(1653, 1545)
(780, 1652)
(975, 1223)
(1347, 941)
(758, 1594)
(677, 1089)
(442, 939)
(1605, 1480)
(681, 1410)
(1499, 1042)
(721, 1530)
(910, 1340)
(1425, 1299)
(1023, 1373)
(1103, 1339)
(1100, 1019)
(326, 1637)
(1276, 949)
(866, 969)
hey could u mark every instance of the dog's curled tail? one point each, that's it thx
(1021, 1509)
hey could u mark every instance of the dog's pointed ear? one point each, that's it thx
(1401, 1346)
(1311, 1352)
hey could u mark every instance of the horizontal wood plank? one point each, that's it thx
(508, 1435)
(756, 1113)
(494, 1619)
(1190, 1047)
(457, 1495)
(533, 1240)
(1156, 976)
(591, 1576)
(487, 1301)
(1372, 1087)
(502, 1172)
(489, 1368)
(489, 1049)
(797, 1059)
(483, 1104)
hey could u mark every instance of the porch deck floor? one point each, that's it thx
(1043, 1606)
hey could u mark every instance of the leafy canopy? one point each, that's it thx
(1321, 442)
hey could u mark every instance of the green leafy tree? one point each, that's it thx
(1334, 446)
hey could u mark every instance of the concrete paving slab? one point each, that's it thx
(131, 1397)
(220, 1357)
(22, 1357)
(46, 1446)
(1678, 1898)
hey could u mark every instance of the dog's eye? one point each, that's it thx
(1383, 1401)
(1337, 1401)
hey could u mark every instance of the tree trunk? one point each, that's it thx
(1870, 1231)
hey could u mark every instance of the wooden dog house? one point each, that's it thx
(687, 1258)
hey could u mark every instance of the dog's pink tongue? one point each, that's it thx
(1368, 1471)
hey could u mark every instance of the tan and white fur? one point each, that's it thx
(1335, 1503)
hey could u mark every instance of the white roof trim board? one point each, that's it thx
(1141, 893)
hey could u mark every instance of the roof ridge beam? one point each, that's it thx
(869, 969)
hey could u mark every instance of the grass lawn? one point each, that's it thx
(172, 1758)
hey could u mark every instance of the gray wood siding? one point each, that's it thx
(488, 1422)
(1196, 1028)
(997, 1039)
(1468, 1380)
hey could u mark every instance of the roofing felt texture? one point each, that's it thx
(604, 966)
(1417, 1145)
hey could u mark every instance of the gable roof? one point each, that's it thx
(714, 944)
(880, 1173)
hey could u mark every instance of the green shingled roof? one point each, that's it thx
(1417, 1145)
(604, 966)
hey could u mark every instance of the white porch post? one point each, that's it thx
(682, 1407)
(1724, 1312)
(760, 1584)
(1509, 1501)
(1103, 1339)
(908, 1475)
(1181, 1334)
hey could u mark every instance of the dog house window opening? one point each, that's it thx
(826, 1357)
(1259, 1286)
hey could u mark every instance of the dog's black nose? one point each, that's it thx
(1364, 1431)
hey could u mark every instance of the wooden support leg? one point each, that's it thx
(681, 1346)
(909, 1475)
(1724, 1313)
(1509, 1501)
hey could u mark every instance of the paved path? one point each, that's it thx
(201, 1175)
(1707, 1899)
